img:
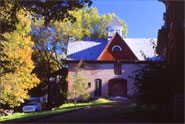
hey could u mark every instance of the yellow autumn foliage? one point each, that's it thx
(17, 65)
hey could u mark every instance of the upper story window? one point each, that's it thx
(116, 48)
(117, 69)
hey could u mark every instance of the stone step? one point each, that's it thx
(118, 98)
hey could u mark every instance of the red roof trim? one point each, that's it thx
(103, 52)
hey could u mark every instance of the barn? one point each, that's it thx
(108, 64)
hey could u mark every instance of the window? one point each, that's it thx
(117, 68)
(112, 32)
(116, 48)
(98, 87)
(89, 84)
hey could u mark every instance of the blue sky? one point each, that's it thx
(143, 17)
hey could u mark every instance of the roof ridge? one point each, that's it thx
(140, 38)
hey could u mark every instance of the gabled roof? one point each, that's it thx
(90, 49)
(142, 45)
(125, 54)
(114, 22)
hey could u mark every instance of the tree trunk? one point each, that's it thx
(75, 100)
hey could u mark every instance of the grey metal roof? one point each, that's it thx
(114, 22)
(138, 45)
(90, 49)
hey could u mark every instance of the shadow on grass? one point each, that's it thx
(130, 114)
(31, 117)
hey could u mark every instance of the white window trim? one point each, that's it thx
(116, 46)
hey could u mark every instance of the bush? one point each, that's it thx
(154, 85)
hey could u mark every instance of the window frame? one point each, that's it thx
(98, 87)
(89, 85)
(117, 68)
(116, 46)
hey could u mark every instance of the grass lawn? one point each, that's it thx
(21, 117)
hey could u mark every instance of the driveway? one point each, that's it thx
(93, 114)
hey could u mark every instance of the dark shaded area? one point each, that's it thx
(50, 10)
(170, 47)
(36, 118)
(57, 91)
(154, 86)
(120, 112)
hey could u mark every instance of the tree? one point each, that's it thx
(47, 61)
(47, 55)
(98, 24)
(88, 24)
(154, 85)
(49, 10)
(16, 71)
(43, 70)
(79, 85)
(48, 48)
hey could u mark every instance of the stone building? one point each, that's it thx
(109, 63)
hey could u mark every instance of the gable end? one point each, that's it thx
(125, 53)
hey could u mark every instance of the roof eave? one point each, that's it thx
(114, 61)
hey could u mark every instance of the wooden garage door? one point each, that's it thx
(118, 87)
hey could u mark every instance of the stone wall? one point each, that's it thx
(105, 72)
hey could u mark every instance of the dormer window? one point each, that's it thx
(116, 48)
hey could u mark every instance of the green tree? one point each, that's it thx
(16, 71)
(89, 24)
(98, 24)
(43, 69)
(79, 85)
(48, 56)
(48, 47)
(49, 10)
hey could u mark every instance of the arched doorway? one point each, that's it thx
(117, 87)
